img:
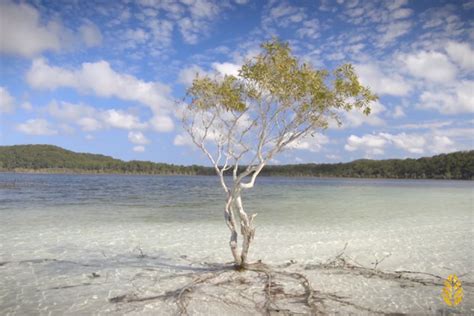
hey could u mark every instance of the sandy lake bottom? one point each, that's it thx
(73, 244)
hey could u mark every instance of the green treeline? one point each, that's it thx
(48, 158)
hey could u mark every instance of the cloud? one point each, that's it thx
(22, 31)
(188, 74)
(313, 143)
(228, 69)
(90, 34)
(100, 79)
(121, 119)
(138, 149)
(37, 127)
(380, 82)
(138, 138)
(183, 140)
(462, 54)
(409, 142)
(398, 112)
(453, 100)
(356, 117)
(390, 32)
(372, 144)
(91, 119)
(7, 102)
(429, 65)
(375, 144)
(161, 123)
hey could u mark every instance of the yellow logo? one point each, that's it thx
(452, 292)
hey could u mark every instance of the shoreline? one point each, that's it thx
(85, 172)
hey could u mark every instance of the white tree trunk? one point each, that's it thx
(230, 221)
(246, 227)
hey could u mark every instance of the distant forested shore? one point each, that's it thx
(53, 159)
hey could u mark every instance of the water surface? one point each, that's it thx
(58, 229)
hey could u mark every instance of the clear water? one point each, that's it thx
(56, 230)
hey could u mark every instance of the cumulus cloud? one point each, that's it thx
(161, 123)
(36, 127)
(138, 138)
(138, 149)
(429, 65)
(398, 112)
(226, 68)
(462, 54)
(453, 100)
(183, 140)
(375, 144)
(7, 102)
(92, 119)
(380, 82)
(371, 144)
(23, 32)
(313, 143)
(121, 119)
(100, 79)
(356, 117)
(188, 74)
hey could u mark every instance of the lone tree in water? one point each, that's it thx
(246, 120)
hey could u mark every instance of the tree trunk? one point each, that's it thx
(247, 230)
(230, 221)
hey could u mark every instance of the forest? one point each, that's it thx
(54, 159)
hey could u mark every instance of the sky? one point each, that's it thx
(106, 77)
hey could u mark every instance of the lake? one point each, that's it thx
(70, 243)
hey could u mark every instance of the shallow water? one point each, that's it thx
(56, 230)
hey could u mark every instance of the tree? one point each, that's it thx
(248, 119)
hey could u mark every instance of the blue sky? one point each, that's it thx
(104, 77)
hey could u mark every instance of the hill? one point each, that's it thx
(49, 158)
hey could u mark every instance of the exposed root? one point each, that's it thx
(271, 290)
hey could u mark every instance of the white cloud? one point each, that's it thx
(380, 82)
(226, 68)
(187, 75)
(430, 65)
(23, 32)
(462, 54)
(455, 100)
(375, 144)
(137, 138)
(138, 149)
(89, 124)
(441, 144)
(372, 144)
(409, 142)
(161, 123)
(183, 140)
(92, 119)
(121, 119)
(398, 112)
(7, 102)
(70, 111)
(356, 117)
(310, 29)
(313, 143)
(90, 34)
(391, 31)
(37, 127)
(99, 78)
